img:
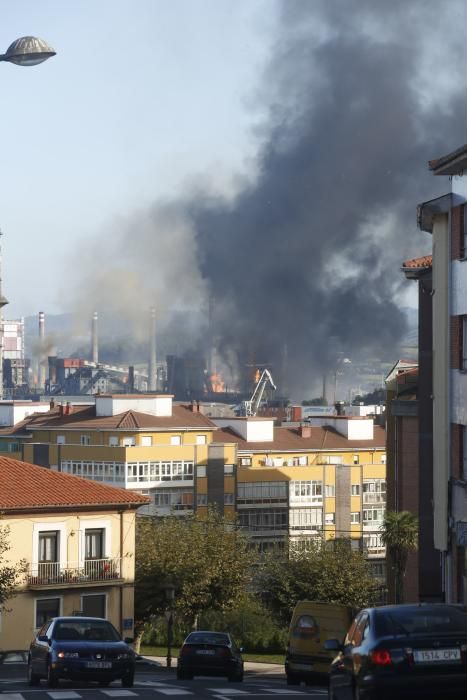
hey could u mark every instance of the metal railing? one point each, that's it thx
(44, 573)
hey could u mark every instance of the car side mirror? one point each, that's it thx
(128, 640)
(333, 645)
(43, 638)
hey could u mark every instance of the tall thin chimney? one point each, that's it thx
(3, 302)
(41, 368)
(152, 369)
(95, 339)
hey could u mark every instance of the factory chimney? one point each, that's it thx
(94, 339)
(41, 368)
(152, 369)
(3, 302)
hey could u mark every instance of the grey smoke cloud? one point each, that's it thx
(358, 96)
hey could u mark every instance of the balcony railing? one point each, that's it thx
(371, 497)
(91, 570)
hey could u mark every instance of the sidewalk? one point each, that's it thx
(251, 667)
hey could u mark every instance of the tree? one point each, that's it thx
(9, 574)
(399, 534)
(206, 558)
(326, 571)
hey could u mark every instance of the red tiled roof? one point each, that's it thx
(289, 439)
(85, 418)
(423, 262)
(28, 487)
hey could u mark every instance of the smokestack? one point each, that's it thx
(94, 339)
(41, 372)
(152, 369)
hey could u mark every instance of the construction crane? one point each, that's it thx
(250, 408)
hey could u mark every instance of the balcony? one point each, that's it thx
(371, 497)
(91, 571)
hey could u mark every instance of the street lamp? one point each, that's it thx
(169, 589)
(27, 51)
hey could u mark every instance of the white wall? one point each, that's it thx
(250, 429)
(12, 413)
(152, 405)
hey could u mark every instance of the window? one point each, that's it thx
(60, 439)
(48, 546)
(330, 491)
(245, 461)
(356, 459)
(262, 492)
(113, 441)
(355, 489)
(228, 499)
(306, 518)
(201, 470)
(228, 468)
(201, 439)
(256, 520)
(373, 514)
(146, 441)
(383, 459)
(84, 440)
(306, 491)
(46, 608)
(330, 518)
(202, 499)
(175, 440)
(94, 605)
(94, 544)
(129, 442)
(355, 517)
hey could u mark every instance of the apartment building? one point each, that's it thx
(78, 540)
(445, 218)
(326, 478)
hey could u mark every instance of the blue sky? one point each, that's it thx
(142, 97)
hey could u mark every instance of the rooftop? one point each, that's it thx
(290, 439)
(27, 487)
(451, 164)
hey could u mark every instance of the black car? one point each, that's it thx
(80, 648)
(401, 649)
(210, 654)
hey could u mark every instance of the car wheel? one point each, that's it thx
(293, 679)
(33, 678)
(128, 680)
(236, 678)
(52, 680)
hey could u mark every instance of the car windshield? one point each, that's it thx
(422, 620)
(85, 630)
(207, 638)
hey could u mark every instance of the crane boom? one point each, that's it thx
(251, 406)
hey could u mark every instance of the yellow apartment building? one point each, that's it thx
(326, 478)
(78, 540)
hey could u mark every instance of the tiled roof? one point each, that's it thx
(85, 418)
(28, 487)
(289, 439)
(437, 163)
(421, 263)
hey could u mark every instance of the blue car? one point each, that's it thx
(81, 649)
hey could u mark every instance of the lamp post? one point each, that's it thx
(27, 51)
(169, 589)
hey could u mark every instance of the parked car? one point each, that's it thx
(210, 654)
(311, 625)
(401, 649)
(80, 648)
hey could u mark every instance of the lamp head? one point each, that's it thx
(28, 51)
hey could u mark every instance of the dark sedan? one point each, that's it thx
(80, 648)
(401, 649)
(210, 654)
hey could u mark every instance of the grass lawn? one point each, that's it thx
(260, 658)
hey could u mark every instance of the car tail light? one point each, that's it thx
(224, 652)
(380, 657)
(185, 651)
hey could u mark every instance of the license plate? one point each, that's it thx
(436, 656)
(98, 664)
(211, 652)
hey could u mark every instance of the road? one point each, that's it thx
(160, 683)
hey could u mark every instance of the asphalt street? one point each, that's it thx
(153, 681)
